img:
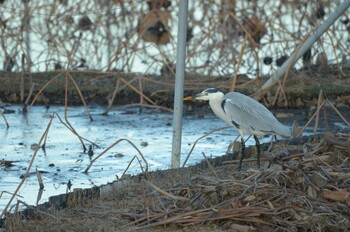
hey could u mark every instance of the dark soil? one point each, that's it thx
(301, 87)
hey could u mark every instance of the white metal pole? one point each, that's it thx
(179, 83)
(27, 32)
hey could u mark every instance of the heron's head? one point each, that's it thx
(209, 94)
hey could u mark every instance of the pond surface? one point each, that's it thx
(65, 160)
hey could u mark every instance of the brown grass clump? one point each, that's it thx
(302, 186)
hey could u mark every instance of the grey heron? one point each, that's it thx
(245, 114)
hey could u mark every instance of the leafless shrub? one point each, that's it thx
(139, 36)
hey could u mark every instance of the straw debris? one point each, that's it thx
(302, 192)
(302, 186)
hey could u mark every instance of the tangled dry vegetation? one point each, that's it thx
(223, 36)
(304, 185)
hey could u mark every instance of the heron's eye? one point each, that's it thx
(211, 90)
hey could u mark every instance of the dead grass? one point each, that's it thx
(303, 185)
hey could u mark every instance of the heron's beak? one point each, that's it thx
(201, 96)
(189, 98)
(198, 96)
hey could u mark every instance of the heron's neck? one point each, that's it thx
(215, 105)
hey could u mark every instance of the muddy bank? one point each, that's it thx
(302, 184)
(301, 87)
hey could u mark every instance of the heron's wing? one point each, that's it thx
(248, 114)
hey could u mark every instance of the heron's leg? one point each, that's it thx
(257, 143)
(271, 143)
(242, 153)
(234, 147)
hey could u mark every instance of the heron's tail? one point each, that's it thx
(282, 130)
